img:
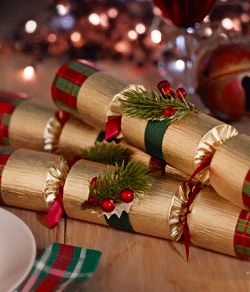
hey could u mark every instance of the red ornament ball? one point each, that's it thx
(184, 13)
(169, 111)
(223, 79)
(181, 92)
(108, 205)
(127, 195)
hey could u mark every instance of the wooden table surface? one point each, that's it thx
(136, 263)
(130, 262)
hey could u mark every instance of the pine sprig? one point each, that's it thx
(107, 153)
(150, 105)
(134, 176)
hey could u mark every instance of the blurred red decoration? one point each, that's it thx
(184, 13)
(223, 79)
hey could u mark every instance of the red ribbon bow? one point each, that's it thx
(113, 127)
(55, 212)
(194, 189)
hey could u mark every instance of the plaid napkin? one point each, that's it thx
(58, 266)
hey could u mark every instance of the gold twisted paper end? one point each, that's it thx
(115, 105)
(52, 134)
(55, 180)
(178, 213)
(208, 145)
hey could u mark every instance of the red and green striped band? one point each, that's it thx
(67, 83)
(246, 190)
(5, 153)
(8, 103)
(242, 236)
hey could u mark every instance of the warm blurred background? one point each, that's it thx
(203, 46)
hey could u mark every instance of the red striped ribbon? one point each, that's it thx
(67, 83)
(242, 236)
(8, 103)
(246, 190)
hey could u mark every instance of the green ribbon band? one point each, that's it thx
(122, 223)
(153, 137)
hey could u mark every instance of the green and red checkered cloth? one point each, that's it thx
(59, 266)
(67, 83)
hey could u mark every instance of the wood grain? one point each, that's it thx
(229, 167)
(134, 263)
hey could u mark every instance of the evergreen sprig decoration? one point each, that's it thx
(157, 105)
(107, 153)
(133, 176)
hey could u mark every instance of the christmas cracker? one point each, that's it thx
(184, 144)
(214, 223)
(25, 124)
(31, 179)
(84, 91)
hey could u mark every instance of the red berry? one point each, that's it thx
(93, 200)
(108, 205)
(181, 92)
(93, 182)
(169, 111)
(127, 195)
(168, 90)
(164, 87)
(163, 84)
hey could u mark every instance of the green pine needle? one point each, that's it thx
(134, 176)
(149, 105)
(107, 153)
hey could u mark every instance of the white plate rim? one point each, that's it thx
(33, 247)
